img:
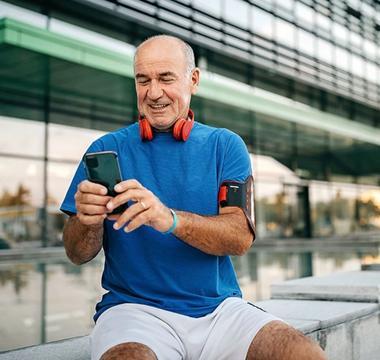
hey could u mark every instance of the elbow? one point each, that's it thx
(244, 244)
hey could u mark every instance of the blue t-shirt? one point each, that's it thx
(145, 266)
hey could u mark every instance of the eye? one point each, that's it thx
(167, 79)
(143, 81)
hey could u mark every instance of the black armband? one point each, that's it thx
(240, 194)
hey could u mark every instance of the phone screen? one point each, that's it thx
(103, 168)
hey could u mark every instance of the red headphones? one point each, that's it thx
(181, 129)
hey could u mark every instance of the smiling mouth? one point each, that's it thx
(158, 106)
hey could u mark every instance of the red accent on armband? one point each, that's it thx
(223, 194)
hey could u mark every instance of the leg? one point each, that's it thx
(130, 351)
(279, 341)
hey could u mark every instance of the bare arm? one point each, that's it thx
(83, 232)
(82, 242)
(224, 234)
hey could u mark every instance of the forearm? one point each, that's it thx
(82, 242)
(225, 234)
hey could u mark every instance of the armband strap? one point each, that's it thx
(240, 194)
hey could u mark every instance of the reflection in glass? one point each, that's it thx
(285, 32)
(340, 32)
(288, 4)
(69, 142)
(21, 200)
(306, 42)
(357, 66)
(325, 51)
(72, 293)
(214, 7)
(236, 11)
(262, 23)
(29, 135)
(343, 203)
(369, 209)
(304, 13)
(342, 58)
(320, 199)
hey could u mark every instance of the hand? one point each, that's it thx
(90, 202)
(148, 209)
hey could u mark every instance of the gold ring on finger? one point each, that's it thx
(143, 205)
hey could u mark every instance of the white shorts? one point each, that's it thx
(226, 333)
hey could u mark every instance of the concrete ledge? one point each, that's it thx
(70, 349)
(362, 286)
(347, 330)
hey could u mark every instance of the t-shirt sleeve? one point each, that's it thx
(236, 164)
(68, 204)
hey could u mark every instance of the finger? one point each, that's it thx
(91, 187)
(127, 184)
(128, 215)
(90, 219)
(91, 209)
(141, 219)
(131, 194)
(86, 198)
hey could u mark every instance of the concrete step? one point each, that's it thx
(345, 330)
(360, 286)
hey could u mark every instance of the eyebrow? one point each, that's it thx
(163, 74)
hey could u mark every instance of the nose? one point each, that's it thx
(154, 90)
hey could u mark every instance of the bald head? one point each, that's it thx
(184, 46)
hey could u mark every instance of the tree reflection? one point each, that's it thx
(18, 276)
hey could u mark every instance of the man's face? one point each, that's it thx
(163, 84)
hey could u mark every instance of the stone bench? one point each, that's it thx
(362, 286)
(340, 311)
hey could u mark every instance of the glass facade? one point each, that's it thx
(309, 182)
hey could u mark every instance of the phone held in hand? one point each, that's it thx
(103, 168)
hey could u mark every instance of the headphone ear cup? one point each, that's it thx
(186, 130)
(146, 132)
(177, 129)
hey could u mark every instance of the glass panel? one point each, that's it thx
(70, 143)
(343, 209)
(262, 23)
(304, 13)
(20, 302)
(212, 6)
(236, 12)
(325, 51)
(340, 32)
(285, 32)
(21, 199)
(29, 134)
(357, 66)
(369, 208)
(371, 72)
(355, 39)
(24, 301)
(306, 42)
(320, 200)
(59, 178)
(342, 58)
(324, 22)
(288, 4)
(370, 48)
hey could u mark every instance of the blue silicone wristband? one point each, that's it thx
(175, 221)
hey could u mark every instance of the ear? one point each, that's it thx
(195, 78)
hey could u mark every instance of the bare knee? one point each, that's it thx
(130, 351)
(279, 341)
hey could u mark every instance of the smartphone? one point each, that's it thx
(103, 168)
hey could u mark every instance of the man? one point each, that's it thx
(172, 292)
